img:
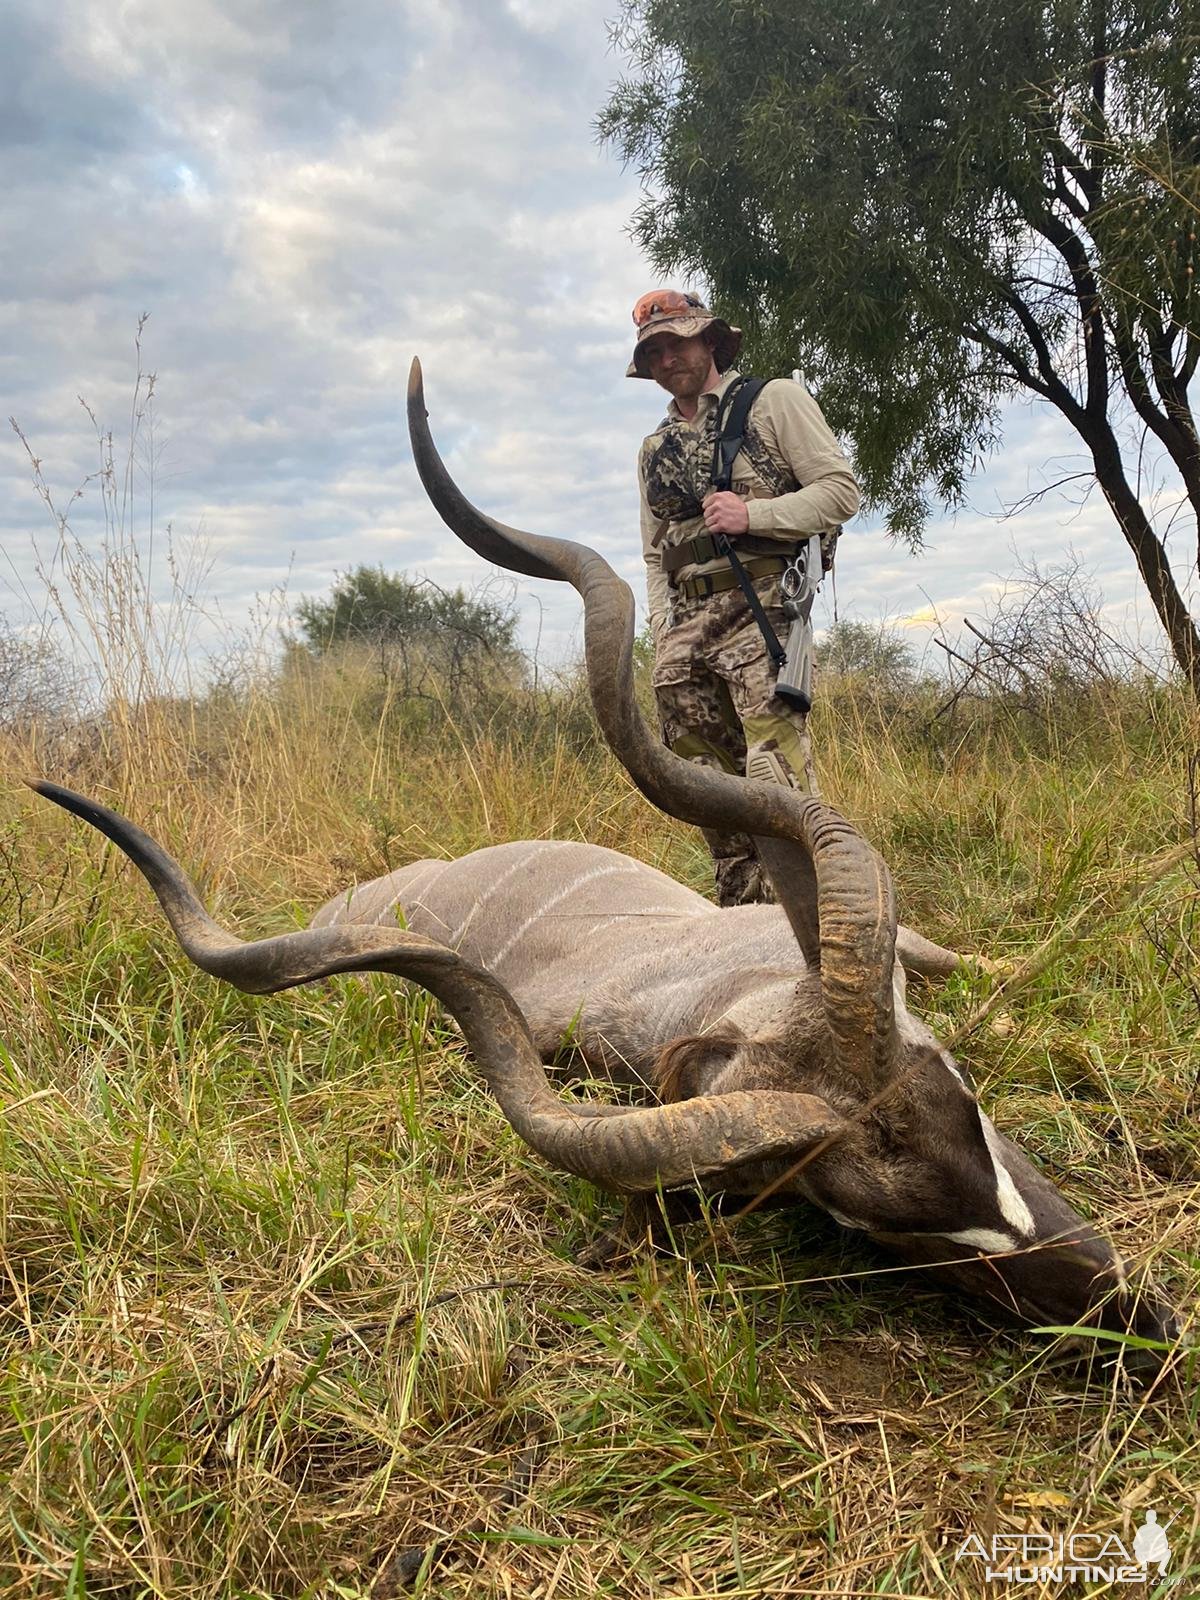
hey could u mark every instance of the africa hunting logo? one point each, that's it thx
(1072, 1558)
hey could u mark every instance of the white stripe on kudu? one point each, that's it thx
(411, 897)
(650, 911)
(622, 869)
(522, 864)
(1013, 1207)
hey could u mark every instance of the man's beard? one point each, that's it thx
(687, 382)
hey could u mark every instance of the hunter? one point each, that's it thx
(714, 680)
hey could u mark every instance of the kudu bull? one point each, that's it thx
(773, 1042)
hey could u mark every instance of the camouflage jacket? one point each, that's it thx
(790, 469)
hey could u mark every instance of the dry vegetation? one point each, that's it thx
(285, 1308)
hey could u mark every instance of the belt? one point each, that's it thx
(715, 582)
(697, 552)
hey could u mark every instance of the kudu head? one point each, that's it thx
(884, 1130)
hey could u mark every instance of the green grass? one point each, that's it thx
(244, 1346)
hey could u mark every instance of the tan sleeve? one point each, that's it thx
(791, 423)
(658, 590)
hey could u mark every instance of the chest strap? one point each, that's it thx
(699, 551)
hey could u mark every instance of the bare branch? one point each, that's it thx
(1006, 353)
(1034, 495)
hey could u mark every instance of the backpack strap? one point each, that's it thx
(731, 427)
(731, 432)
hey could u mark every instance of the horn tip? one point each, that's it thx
(42, 786)
(415, 379)
(78, 804)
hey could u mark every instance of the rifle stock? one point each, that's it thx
(795, 678)
(801, 581)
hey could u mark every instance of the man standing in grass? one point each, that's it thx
(714, 680)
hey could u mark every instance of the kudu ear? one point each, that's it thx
(686, 1065)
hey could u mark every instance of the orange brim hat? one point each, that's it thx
(685, 324)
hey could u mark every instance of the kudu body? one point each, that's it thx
(650, 984)
(607, 949)
(774, 1045)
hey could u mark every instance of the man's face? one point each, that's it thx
(682, 366)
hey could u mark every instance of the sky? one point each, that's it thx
(302, 196)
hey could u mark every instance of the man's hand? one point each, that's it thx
(725, 512)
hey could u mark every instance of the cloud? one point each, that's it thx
(305, 196)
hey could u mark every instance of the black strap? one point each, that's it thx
(731, 427)
(731, 433)
(770, 638)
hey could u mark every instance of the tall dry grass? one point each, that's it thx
(287, 1310)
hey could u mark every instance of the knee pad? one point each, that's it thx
(693, 747)
(782, 743)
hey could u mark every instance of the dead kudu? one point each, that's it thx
(773, 1043)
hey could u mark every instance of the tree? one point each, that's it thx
(875, 655)
(390, 608)
(38, 685)
(931, 207)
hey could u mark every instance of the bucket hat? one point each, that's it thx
(670, 311)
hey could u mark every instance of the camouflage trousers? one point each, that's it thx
(715, 687)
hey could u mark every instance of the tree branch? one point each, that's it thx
(1006, 352)
(1178, 437)
(1055, 388)
(1077, 207)
(1096, 148)
(1054, 285)
(1034, 495)
(1087, 291)
(1073, 163)
(1171, 392)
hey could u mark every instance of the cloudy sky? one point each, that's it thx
(303, 196)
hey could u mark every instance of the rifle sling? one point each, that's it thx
(731, 433)
(770, 638)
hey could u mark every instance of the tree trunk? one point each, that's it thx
(1149, 553)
